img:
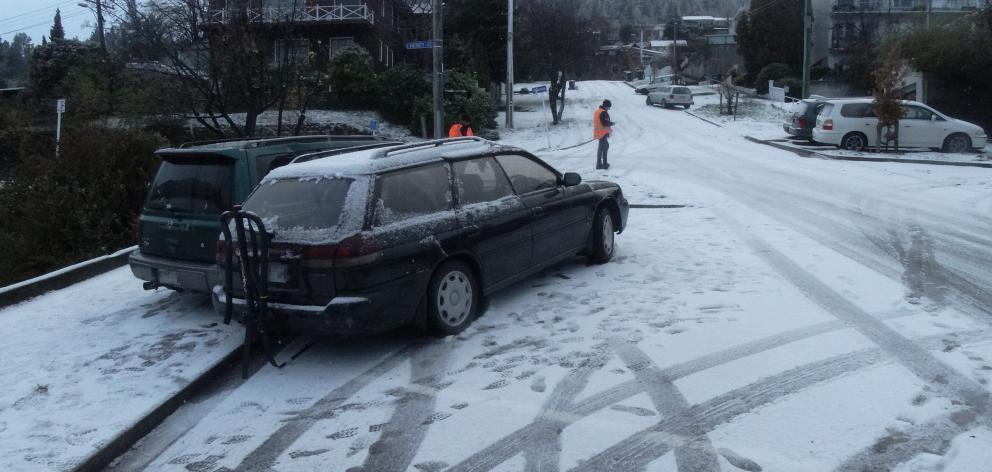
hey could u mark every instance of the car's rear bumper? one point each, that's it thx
(174, 273)
(352, 314)
(827, 137)
(797, 132)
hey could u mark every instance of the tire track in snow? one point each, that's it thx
(265, 455)
(696, 454)
(914, 358)
(519, 440)
(933, 437)
(640, 449)
(544, 454)
(406, 429)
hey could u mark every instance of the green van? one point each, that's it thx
(180, 221)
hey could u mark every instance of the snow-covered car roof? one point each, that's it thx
(370, 161)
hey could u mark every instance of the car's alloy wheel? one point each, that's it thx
(854, 142)
(602, 237)
(452, 298)
(957, 143)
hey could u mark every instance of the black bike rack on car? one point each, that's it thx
(252, 246)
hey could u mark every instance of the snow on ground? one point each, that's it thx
(780, 314)
(786, 314)
(82, 364)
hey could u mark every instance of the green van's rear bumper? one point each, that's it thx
(174, 273)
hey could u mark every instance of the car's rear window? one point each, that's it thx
(300, 203)
(192, 185)
(827, 109)
(682, 91)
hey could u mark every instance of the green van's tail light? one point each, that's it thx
(357, 250)
(220, 249)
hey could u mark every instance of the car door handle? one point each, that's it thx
(539, 212)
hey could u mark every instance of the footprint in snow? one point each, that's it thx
(739, 461)
(538, 384)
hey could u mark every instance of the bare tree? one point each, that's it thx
(557, 41)
(226, 60)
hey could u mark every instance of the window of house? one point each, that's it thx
(298, 51)
(335, 45)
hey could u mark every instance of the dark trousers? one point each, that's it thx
(604, 146)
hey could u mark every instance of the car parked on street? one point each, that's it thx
(670, 95)
(419, 233)
(799, 124)
(195, 183)
(653, 85)
(851, 124)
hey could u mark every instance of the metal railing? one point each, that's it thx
(899, 6)
(307, 14)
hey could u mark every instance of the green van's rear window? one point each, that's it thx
(198, 186)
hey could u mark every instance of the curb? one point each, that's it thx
(687, 112)
(805, 153)
(106, 454)
(63, 278)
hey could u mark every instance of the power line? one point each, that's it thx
(64, 17)
(32, 15)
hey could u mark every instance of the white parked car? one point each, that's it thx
(670, 95)
(851, 124)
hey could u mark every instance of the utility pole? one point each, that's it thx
(436, 6)
(640, 48)
(923, 75)
(676, 67)
(99, 22)
(807, 39)
(509, 64)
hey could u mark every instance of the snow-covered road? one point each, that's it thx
(794, 314)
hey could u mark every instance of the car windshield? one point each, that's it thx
(193, 185)
(300, 203)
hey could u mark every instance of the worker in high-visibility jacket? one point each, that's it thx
(601, 129)
(460, 128)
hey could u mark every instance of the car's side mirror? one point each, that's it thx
(571, 179)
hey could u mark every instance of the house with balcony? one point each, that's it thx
(319, 29)
(855, 23)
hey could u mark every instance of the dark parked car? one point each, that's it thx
(799, 124)
(419, 233)
(180, 220)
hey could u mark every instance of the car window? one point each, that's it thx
(265, 164)
(857, 110)
(915, 113)
(527, 175)
(827, 109)
(480, 180)
(682, 90)
(409, 193)
(300, 204)
(194, 185)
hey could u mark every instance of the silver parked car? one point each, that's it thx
(671, 95)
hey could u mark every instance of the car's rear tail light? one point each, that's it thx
(828, 125)
(802, 122)
(671, 96)
(357, 250)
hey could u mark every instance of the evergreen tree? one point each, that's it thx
(760, 31)
(57, 32)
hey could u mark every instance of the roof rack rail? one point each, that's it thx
(335, 152)
(274, 140)
(428, 144)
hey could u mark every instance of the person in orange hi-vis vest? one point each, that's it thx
(460, 128)
(601, 129)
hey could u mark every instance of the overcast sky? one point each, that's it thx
(34, 17)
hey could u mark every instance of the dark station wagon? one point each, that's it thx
(371, 240)
(195, 183)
